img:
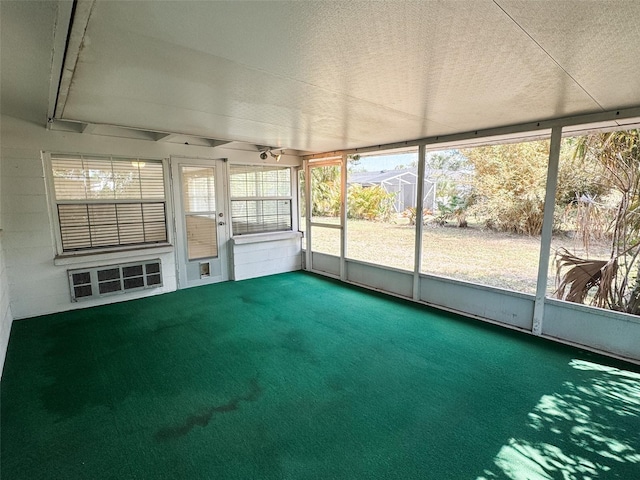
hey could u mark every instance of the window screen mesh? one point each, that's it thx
(107, 202)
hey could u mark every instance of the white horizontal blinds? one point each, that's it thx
(254, 216)
(154, 222)
(202, 236)
(151, 180)
(198, 189)
(74, 226)
(108, 202)
(199, 205)
(69, 177)
(260, 198)
(260, 181)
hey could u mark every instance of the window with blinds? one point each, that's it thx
(199, 204)
(104, 202)
(260, 198)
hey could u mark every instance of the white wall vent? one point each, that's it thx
(101, 281)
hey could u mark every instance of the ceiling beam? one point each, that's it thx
(81, 15)
(166, 137)
(60, 35)
(89, 128)
(216, 143)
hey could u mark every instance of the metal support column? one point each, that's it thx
(547, 229)
(422, 150)
(307, 213)
(343, 218)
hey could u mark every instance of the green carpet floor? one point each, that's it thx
(298, 377)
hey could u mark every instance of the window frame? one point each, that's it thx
(53, 202)
(291, 198)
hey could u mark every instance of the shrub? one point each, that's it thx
(369, 203)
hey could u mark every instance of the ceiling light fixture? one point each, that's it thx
(276, 156)
(264, 154)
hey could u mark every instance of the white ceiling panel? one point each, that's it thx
(26, 46)
(596, 42)
(322, 76)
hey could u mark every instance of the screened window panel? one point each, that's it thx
(76, 238)
(131, 233)
(73, 215)
(155, 232)
(102, 214)
(104, 235)
(129, 213)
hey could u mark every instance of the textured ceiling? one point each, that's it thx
(323, 76)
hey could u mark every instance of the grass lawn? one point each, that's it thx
(473, 254)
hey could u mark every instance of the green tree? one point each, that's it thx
(509, 184)
(451, 160)
(325, 191)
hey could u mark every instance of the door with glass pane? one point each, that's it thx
(202, 231)
(324, 235)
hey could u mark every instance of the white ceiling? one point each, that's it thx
(322, 76)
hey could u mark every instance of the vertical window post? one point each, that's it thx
(547, 229)
(422, 151)
(343, 218)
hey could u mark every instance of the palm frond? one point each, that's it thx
(575, 277)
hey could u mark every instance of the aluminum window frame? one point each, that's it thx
(53, 202)
(260, 199)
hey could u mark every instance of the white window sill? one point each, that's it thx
(86, 258)
(264, 237)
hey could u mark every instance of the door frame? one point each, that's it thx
(179, 224)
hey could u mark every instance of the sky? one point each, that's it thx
(385, 162)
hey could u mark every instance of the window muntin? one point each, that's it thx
(261, 199)
(105, 202)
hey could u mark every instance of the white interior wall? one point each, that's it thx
(36, 283)
(266, 254)
(5, 310)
